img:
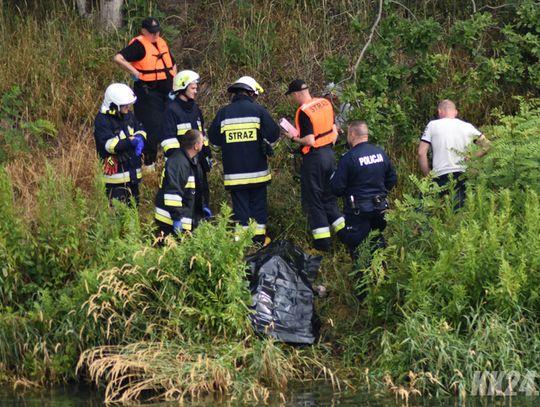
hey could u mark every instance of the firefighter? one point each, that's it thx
(316, 136)
(148, 59)
(178, 206)
(181, 115)
(245, 130)
(119, 143)
(363, 178)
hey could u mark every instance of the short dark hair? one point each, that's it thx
(191, 138)
(356, 125)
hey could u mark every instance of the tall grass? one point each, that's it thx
(452, 292)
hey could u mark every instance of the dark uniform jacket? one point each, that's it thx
(179, 117)
(239, 129)
(177, 198)
(363, 173)
(111, 132)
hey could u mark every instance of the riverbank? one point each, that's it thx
(452, 294)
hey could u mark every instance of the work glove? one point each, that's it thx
(207, 213)
(110, 166)
(138, 144)
(177, 227)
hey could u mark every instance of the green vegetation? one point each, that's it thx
(85, 294)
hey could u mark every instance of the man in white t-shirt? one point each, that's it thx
(449, 138)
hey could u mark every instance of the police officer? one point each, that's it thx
(181, 115)
(119, 143)
(363, 178)
(244, 129)
(178, 208)
(316, 136)
(148, 59)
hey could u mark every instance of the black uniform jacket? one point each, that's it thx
(363, 173)
(239, 129)
(111, 133)
(177, 195)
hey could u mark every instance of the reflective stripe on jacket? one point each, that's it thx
(157, 61)
(321, 115)
(112, 132)
(177, 121)
(176, 198)
(239, 129)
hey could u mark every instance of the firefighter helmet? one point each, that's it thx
(246, 83)
(183, 79)
(118, 94)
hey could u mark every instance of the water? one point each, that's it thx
(301, 396)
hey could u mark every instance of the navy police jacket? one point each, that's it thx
(111, 133)
(363, 173)
(239, 129)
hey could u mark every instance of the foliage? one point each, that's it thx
(514, 158)
(192, 289)
(452, 292)
(16, 134)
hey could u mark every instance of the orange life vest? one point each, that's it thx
(321, 115)
(156, 62)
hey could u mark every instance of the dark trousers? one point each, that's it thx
(123, 192)
(358, 228)
(318, 201)
(251, 203)
(149, 109)
(459, 189)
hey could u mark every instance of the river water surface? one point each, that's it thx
(300, 396)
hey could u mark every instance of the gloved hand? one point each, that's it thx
(207, 213)
(134, 77)
(177, 227)
(138, 144)
(110, 166)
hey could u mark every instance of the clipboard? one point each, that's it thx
(288, 127)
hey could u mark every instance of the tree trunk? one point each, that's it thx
(83, 8)
(110, 14)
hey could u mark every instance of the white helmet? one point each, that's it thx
(183, 79)
(118, 94)
(246, 83)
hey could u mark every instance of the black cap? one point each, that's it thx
(296, 86)
(151, 24)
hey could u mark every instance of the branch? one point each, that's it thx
(357, 64)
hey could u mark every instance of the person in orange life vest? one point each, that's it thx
(148, 59)
(316, 136)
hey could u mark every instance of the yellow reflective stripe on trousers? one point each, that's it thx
(321, 233)
(247, 178)
(338, 224)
